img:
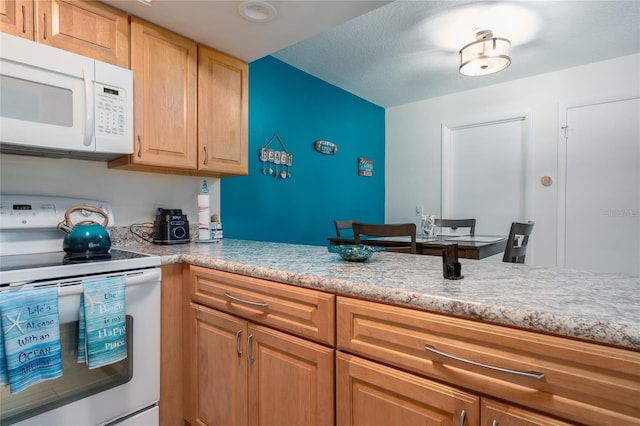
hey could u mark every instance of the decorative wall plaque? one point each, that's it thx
(365, 166)
(325, 147)
(279, 162)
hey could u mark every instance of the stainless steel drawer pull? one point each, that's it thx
(494, 423)
(247, 302)
(238, 336)
(529, 374)
(463, 417)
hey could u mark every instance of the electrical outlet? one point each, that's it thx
(418, 209)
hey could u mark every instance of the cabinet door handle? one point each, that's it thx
(463, 417)
(45, 34)
(249, 343)
(206, 158)
(528, 374)
(139, 147)
(247, 302)
(24, 19)
(238, 336)
(494, 423)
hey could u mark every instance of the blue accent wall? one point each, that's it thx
(302, 109)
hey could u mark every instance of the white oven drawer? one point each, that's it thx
(148, 417)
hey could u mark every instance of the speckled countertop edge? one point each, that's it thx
(578, 304)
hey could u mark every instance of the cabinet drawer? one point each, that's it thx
(300, 311)
(582, 382)
(371, 394)
(497, 413)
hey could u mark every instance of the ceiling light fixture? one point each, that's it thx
(257, 11)
(486, 55)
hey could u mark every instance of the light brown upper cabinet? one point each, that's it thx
(16, 17)
(164, 68)
(88, 28)
(222, 113)
(191, 106)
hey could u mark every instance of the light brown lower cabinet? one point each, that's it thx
(578, 382)
(250, 357)
(371, 394)
(248, 374)
(258, 352)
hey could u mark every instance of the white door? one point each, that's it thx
(484, 174)
(602, 189)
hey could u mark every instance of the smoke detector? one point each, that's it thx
(257, 11)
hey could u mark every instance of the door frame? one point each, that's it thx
(527, 163)
(563, 109)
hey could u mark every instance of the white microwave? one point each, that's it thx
(59, 104)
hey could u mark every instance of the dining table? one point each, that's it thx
(469, 246)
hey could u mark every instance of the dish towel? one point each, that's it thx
(102, 334)
(30, 351)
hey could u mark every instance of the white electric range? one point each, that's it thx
(31, 256)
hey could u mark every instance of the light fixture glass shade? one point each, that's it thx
(484, 56)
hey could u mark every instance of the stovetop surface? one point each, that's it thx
(43, 260)
(55, 265)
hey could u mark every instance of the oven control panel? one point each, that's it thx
(36, 212)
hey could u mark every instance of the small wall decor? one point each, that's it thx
(279, 161)
(325, 147)
(365, 167)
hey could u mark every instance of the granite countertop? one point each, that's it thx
(596, 307)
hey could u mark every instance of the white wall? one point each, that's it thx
(413, 137)
(134, 196)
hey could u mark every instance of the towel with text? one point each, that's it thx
(102, 337)
(30, 350)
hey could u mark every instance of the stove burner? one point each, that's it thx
(72, 258)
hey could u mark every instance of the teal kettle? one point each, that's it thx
(86, 237)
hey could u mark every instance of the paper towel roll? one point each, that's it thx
(203, 217)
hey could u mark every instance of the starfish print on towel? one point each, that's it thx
(93, 301)
(15, 323)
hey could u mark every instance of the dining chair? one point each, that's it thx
(343, 224)
(457, 223)
(387, 230)
(517, 242)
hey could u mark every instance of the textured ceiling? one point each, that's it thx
(408, 50)
(404, 51)
(219, 25)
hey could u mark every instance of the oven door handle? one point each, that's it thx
(136, 278)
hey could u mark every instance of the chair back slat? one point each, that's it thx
(457, 223)
(517, 242)
(343, 224)
(387, 230)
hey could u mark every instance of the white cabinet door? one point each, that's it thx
(602, 188)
